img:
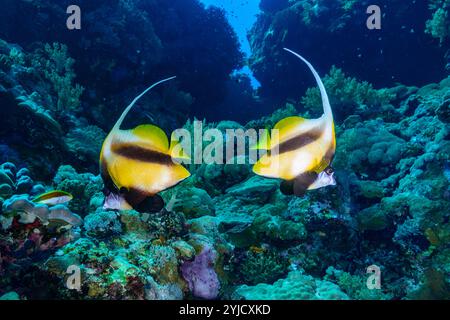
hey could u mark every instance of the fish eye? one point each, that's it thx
(329, 170)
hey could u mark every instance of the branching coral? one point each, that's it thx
(48, 63)
(261, 266)
(57, 67)
(439, 26)
(355, 285)
(348, 95)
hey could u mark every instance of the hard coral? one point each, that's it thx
(83, 187)
(27, 212)
(102, 224)
(438, 26)
(347, 95)
(370, 150)
(261, 266)
(85, 144)
(57, 67)
(200, 275)
(296, 286)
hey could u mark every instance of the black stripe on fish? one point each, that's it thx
(299, 185)
(299, 141)
(143, 202)
(287, 187)
(303, 181)
(142, 154)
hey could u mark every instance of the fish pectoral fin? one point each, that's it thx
(153, 135)
(264, 142)
(302, 182)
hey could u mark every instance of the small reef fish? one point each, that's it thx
(137, 164)
(303, 149)
(256, 249)
(53, 198)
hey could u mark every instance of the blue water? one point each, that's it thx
(241, 15)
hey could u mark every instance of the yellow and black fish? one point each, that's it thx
(300, 151)
(137, 164)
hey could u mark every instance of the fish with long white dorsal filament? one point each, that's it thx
(300, 151)
(137, 164)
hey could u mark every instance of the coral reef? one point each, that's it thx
(200, 275)
(296, 286)
(438, 26)
(347, 95)
(124, 63)
(85, 188)
(225, 233)
(85, 144)
(57, 67)
(29, 232)
(102, 224)
(334, 34)
(27, 124)
(52, 67)
(260, 265)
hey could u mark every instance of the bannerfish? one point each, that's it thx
(302, 151)
(53, 198)
(137, 164)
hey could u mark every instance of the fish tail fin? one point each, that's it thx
(127, 110)
(325, 100)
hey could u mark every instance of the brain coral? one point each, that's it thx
(370, 148)
(296, 286)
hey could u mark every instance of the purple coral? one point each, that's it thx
(200, 275)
